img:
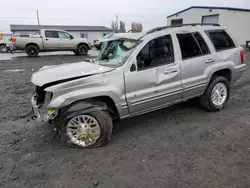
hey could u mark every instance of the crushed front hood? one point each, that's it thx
(49, 74)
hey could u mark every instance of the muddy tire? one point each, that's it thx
(67, 132)
(82, 49)
(216, 95)
(3, 48)
(32, 50)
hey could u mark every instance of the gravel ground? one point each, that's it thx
(180, 146)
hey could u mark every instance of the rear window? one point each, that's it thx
(221, 40)
(51, 34)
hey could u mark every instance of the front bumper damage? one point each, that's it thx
(41, 113)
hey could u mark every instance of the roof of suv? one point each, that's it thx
(167, 29)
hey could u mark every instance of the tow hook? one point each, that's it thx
(33, 117)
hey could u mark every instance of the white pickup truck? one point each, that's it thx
(48, 40)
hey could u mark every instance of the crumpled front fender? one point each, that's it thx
(81, 107)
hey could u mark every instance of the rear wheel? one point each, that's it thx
(82, 49)
(32, 50)
(3, 48)
(88, 130)
(216, 94)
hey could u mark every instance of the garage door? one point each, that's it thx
(210, 19)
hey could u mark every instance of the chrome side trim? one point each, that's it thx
(149, 99)
(195, 86)
(124, 106)
(152, 109)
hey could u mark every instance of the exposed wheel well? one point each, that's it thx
(83, 44)
(110, 105)
(2, 44)
(225, 73)
(31, 44)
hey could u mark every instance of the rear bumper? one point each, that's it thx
(90, 46)
(17, 47)
(97, 45)
(238, 71)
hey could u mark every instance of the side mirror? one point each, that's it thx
(71, 37)
(132, 68)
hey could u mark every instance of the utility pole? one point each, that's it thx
(116, 24)
(37, 16)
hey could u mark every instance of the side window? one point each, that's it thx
(188, 45)
(157, 52)
(221, 40)
(51, 34)
(63, 35)
(202, 43)
(84, 35)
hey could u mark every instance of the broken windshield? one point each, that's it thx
(114, 53)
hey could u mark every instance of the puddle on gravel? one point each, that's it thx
(14, 70)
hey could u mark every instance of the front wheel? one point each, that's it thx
(216, 94)
(88, 130)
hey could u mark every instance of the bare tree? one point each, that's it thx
(122, 27)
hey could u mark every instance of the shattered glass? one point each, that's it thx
(114, 53)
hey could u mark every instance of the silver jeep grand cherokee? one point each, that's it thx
(137, 73)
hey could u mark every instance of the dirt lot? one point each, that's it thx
(181, 146)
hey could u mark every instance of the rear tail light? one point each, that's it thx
(242, 56)
(13, 40)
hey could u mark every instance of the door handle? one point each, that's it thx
(46, 39)
(210, 60)
(170, 71)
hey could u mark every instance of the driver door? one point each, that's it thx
(66, 41)
(156, 80)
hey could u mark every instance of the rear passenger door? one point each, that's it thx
(224, 46)
(196, 58)
(51, 40)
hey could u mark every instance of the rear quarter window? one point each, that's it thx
(221, 40)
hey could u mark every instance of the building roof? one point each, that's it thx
(208, 7)
(60, 27)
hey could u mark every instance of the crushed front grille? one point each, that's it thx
(40, 95)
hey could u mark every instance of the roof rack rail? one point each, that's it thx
(181, 25)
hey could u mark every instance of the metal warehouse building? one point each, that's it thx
(90, 32)
(235, 19)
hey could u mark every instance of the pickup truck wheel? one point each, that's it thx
(32, 50)
(88, 130)
(216, 94)
(82, 49)
(3, 48)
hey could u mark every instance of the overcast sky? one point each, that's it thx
(151, 13)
